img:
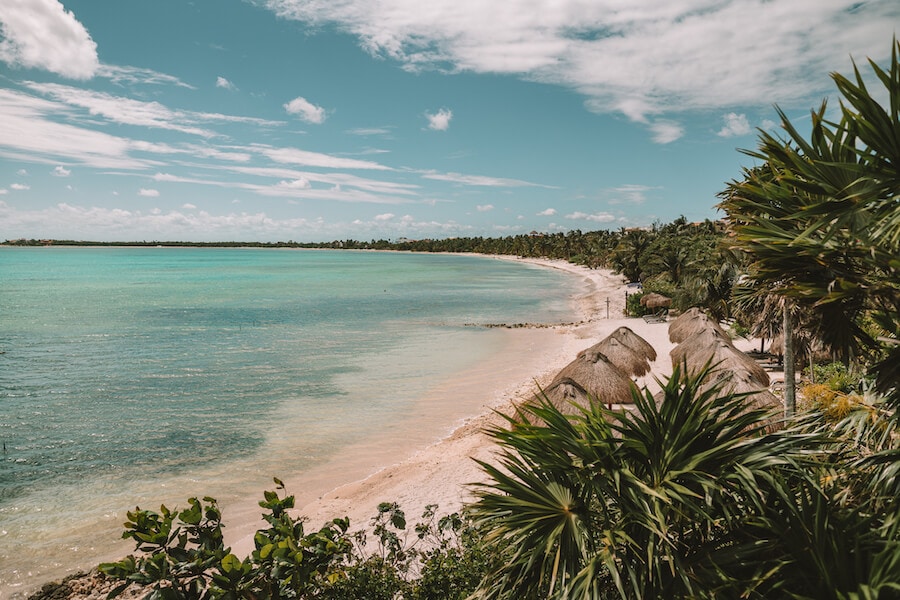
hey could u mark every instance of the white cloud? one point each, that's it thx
(189, 206)
(120, 224)
(26, 128)
(370, 131)
(315, 159)
(292, 183)
(547, 212)
(630, 194)
(61, 171)
(306, 110)
(42, 34)
(596, 217)
(479, 180)
(640, 58)
(409, 226)
(166, 177)
(336, 193)
(295, 184)
(136, 75)
(484, 207)
(665, 131)
(223, 83)
(22, 173)
(20, 186)
(332, 179)
(439, 121)
(385, 217)
(150, 193)
(123, 110)
(137, 112)
(195, 150)
(735, 125)
(3, 191)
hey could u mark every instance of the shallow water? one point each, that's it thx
(145, 375)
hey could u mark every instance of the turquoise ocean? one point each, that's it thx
(135, 376)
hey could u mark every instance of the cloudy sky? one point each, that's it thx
(316, 120)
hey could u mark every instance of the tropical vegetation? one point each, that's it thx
(688, 497)
(689, 494)
(691, 497)
(180, 555)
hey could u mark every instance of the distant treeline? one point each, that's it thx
(679, 259)
(593, 249)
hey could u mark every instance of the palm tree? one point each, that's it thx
(712, 290)
(820, 224)
(626, 256)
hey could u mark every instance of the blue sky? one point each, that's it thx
(316, 120)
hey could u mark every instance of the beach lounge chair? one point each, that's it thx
(661, 316)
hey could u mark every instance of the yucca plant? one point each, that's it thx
(829, 529)
(629, 504)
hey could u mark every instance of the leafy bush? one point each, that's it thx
(833, 404)
(181, 556)
(690, 497)
(633, 306)
(837, 376)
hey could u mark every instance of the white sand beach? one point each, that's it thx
(440, 473)
(435, 465)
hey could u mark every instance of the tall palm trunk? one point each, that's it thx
(789, 384)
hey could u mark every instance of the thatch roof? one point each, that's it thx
(622, 356)
(566, 395)
(690, 322)
(598, 376)
(758, 398)
(706, 346)
(654, 300)
(635, 342)
(696, 343)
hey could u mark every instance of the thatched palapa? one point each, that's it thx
(598, 376)
(654, 300)
(635, 342)
(757, 397)
(707, 347)
(622, 356)
(566, 395)
(696, 343)
(689, 323)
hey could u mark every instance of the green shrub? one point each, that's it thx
(837, 376)
(633, 306)
(181, 556)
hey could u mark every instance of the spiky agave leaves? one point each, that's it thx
(541, 499)
(629, 502)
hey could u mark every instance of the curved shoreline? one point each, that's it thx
(437, 471)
